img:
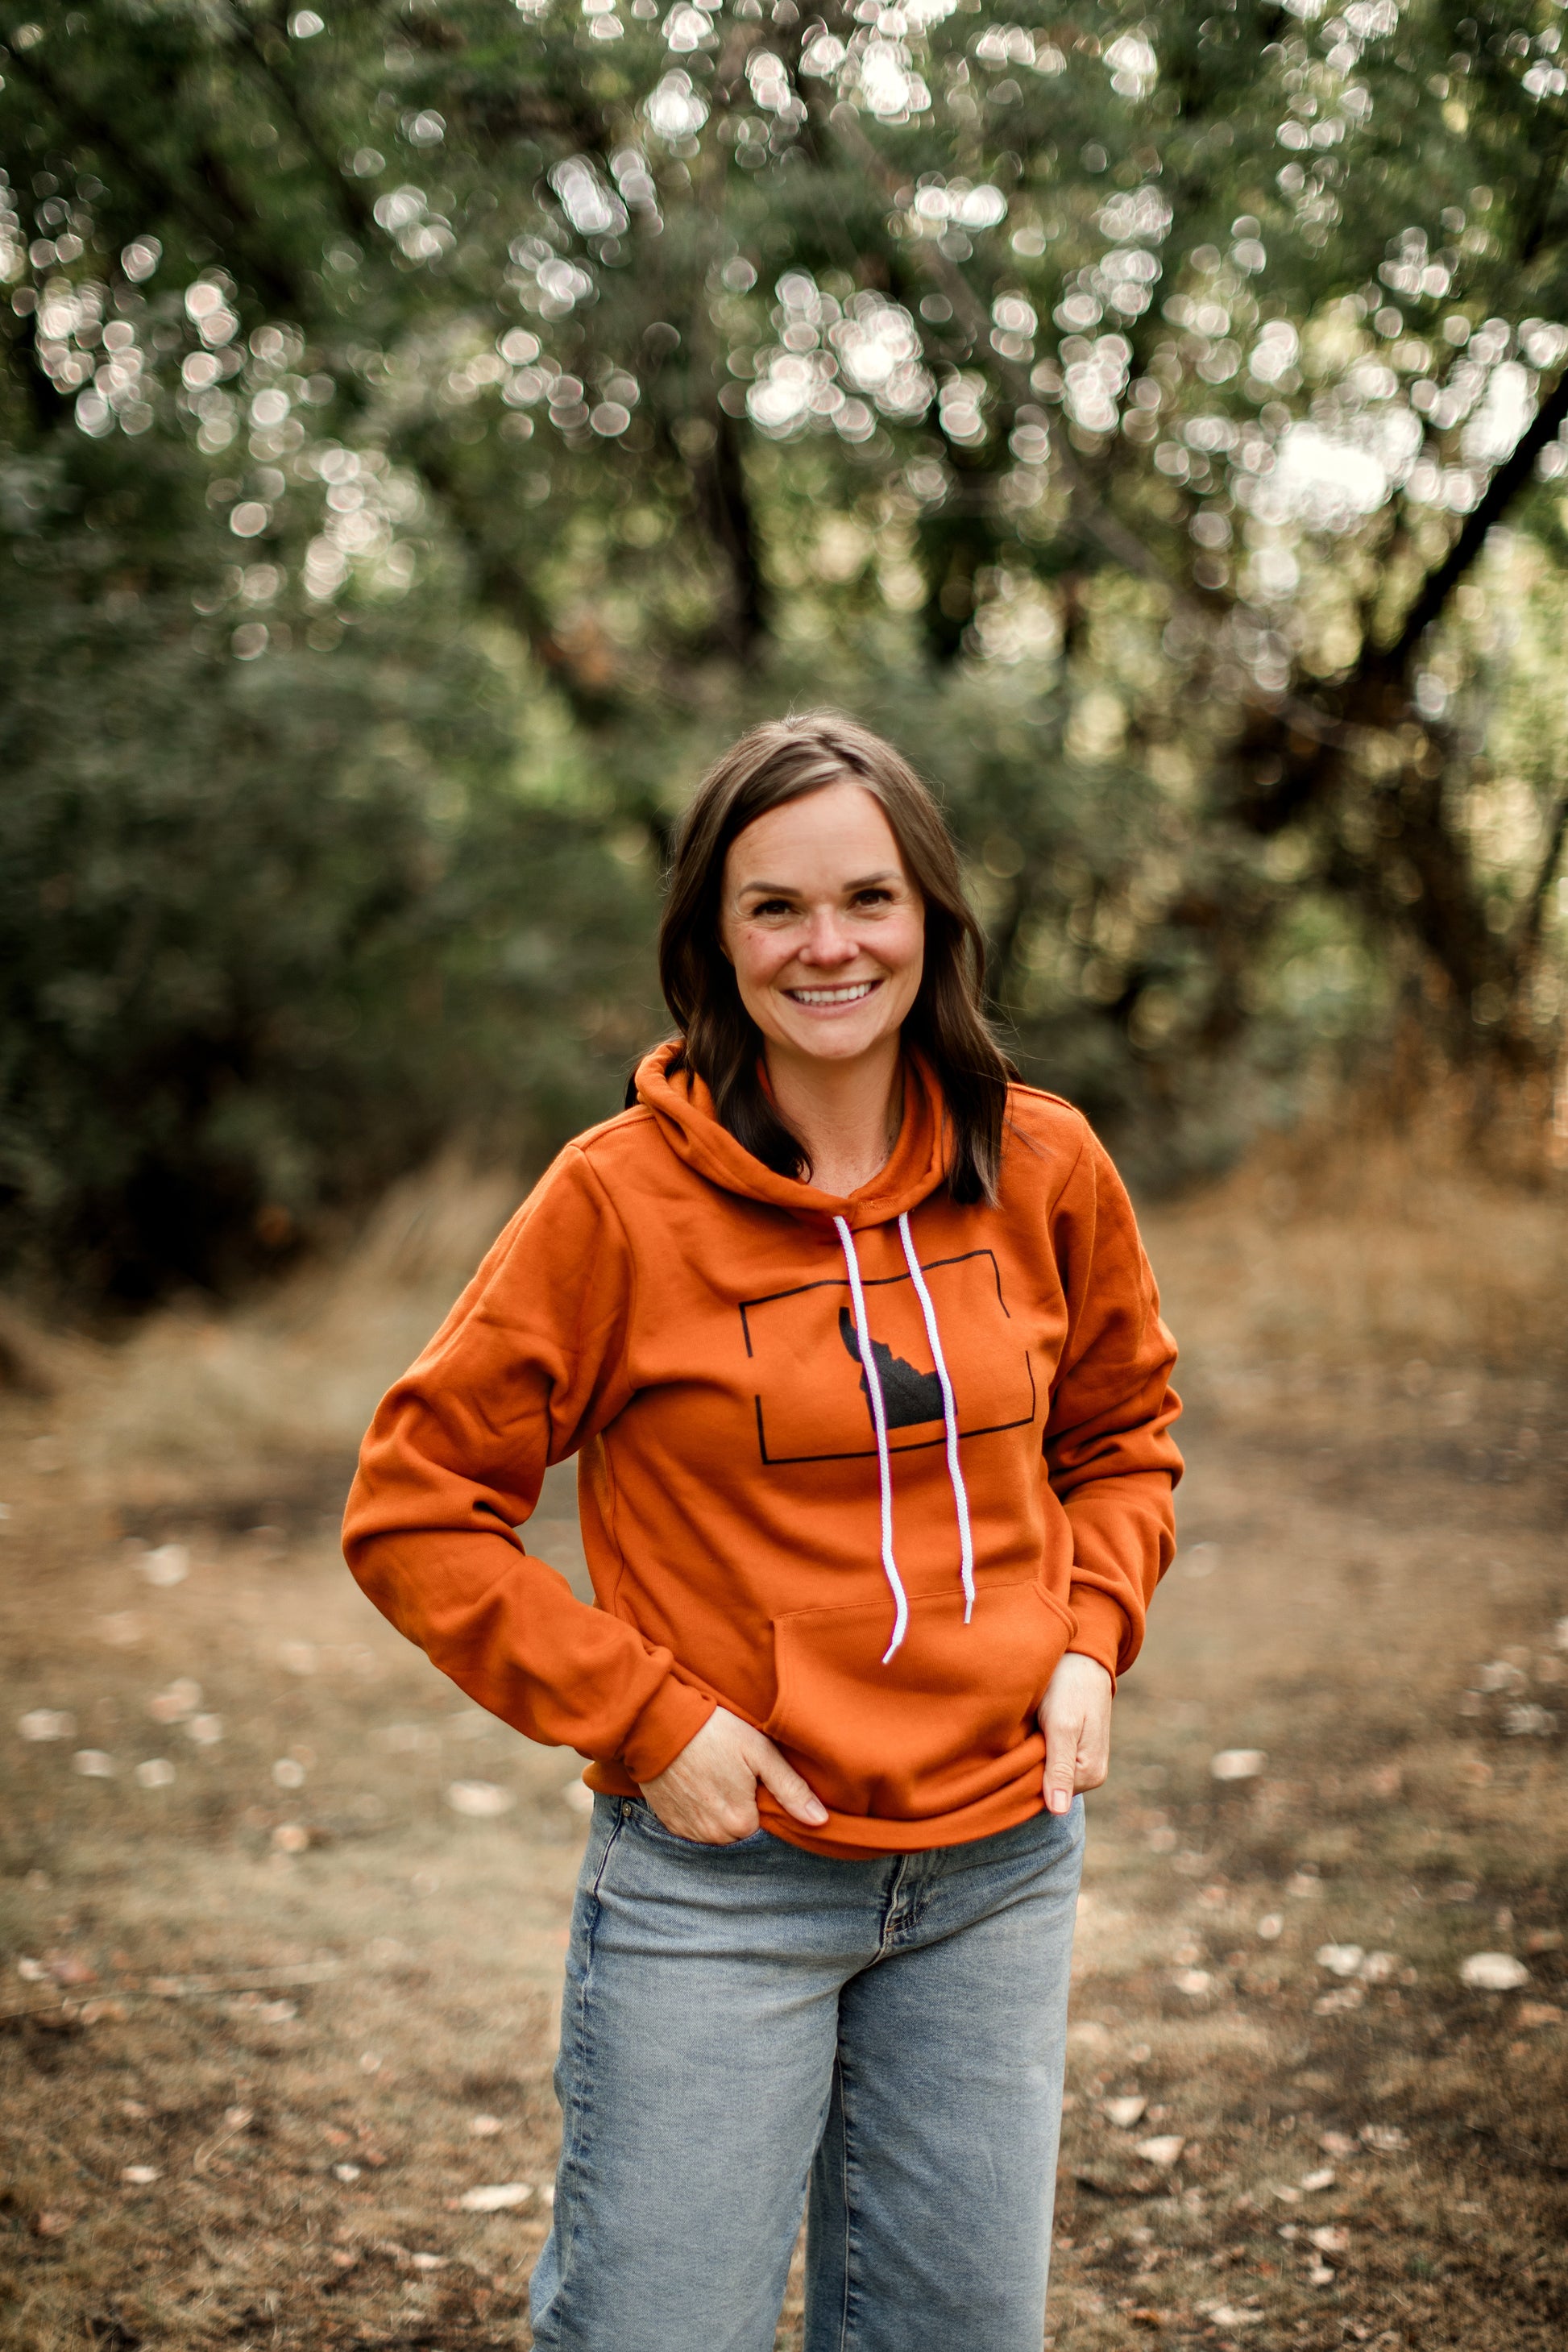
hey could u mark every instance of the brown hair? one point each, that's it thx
(783, 761)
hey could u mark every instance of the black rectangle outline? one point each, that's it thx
(881, 1282)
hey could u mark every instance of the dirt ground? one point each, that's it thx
(281, 1916)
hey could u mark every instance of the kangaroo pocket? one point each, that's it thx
(942, 1724)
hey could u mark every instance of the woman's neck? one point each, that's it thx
(846, 1114)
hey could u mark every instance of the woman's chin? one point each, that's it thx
(829, 1037)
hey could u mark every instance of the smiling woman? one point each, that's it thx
(815, 916)
(854, 1341)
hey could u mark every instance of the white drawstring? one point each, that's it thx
(878, 1415)
(879, 1418)
(949, 1416)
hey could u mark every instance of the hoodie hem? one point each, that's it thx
(856, 1837)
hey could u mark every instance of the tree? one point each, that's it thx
(1118, 403)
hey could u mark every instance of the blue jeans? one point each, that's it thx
(745, 2022)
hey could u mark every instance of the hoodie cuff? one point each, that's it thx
(1103, 1631)
(671, 1719)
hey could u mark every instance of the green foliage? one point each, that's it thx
(273, 927)
(431, 431)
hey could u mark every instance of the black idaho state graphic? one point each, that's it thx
(908, 1396)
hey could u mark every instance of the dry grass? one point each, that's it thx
(1378, 1418)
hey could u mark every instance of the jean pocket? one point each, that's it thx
(643, 1817)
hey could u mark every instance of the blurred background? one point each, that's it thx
(429, 431)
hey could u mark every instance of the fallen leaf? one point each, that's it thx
(206, 1731)
(1193, 1983)
(1531, 2013)
(499, 2197)
(479, 1800)
(1271, 1927)
(1337, 2143)
(1339, 1959)
(1286, 2196)
(346, 2173)
(93, 1764)
(71, 1968)
(1313, 2181)
(50, 2224)
(1379, 1968)
(250, 2006)
(47, 1723)
(181, 1698)
(486, 2126)
(1163, 2150)
(1238, 1763)
(1319, 2275)
(1386, 2138)
(1330, 2239)
(155, 1772)
(1493, 1972)
(427, 2262)
(290, 1837)
(32, 1971)
(1225, 2315)
(167, 1564)
(1337, 2003)
(138, 2176)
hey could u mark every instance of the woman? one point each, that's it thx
(862, 1362)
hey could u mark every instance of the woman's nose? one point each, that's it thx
(828, 938)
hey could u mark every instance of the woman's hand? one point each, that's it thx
(709, 1793)
(1075, 1715)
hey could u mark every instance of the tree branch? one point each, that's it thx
(1534, 913)
(1511, 477)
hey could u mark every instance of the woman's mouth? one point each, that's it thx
(851, 993)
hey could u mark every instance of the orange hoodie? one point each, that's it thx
(878, 1567)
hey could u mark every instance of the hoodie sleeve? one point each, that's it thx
(1110, 1456)
(528, 1367)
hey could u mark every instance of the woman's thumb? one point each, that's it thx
(798, 1801)
(1061, 1765)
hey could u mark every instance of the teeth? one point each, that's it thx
(833, 996)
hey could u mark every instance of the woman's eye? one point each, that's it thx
(873, 898)
(771, 907)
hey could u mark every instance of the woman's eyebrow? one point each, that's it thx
(789, 889)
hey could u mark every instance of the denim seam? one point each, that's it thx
(584, 2071)
(848, 2210)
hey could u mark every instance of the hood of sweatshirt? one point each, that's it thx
(683, 1106)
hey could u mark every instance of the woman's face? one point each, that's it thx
(824, 927)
